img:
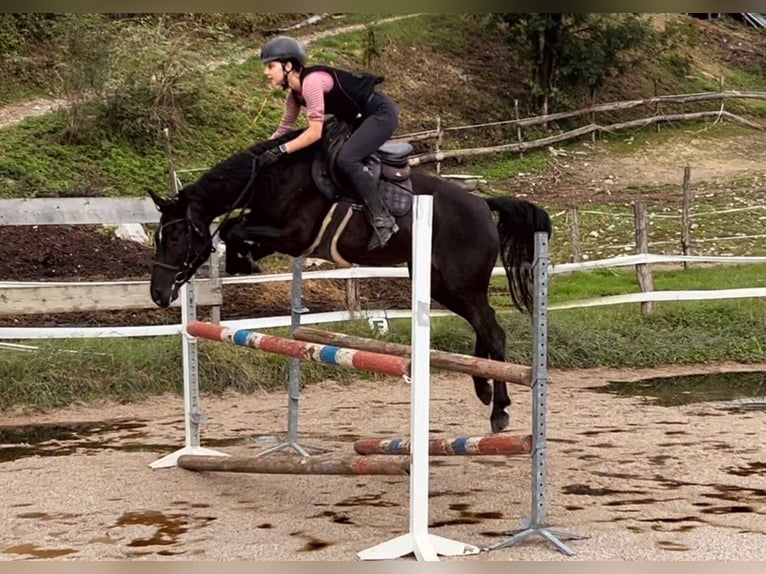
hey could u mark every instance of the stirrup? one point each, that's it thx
(381, 236)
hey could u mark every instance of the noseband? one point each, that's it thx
(186, 270)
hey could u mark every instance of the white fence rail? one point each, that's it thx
(382, 272)
(33, 297)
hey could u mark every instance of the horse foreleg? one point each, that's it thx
(262, 234)
(242, 258)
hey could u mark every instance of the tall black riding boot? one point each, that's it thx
(383, 223)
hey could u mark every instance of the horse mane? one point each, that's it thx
(225, 181)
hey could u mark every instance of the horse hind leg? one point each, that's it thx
(490, 344)
(481, 384)
(501, 400)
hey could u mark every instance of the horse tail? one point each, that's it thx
(518, 221)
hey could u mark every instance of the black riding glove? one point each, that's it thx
(270, 156)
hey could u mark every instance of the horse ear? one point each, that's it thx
(160, 202)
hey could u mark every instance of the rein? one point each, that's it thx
(193, 259)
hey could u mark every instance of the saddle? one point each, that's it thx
(389, 165)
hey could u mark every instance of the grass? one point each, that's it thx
(507, 165)
(71, 371)
(441, 32)
(239, 109)
(11, 93)
(722, 224)
(124, 370)
(619, 281)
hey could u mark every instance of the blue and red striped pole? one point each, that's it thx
(329, 354)
(505, 444)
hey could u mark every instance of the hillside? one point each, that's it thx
(432, 68)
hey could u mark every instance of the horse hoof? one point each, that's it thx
(499, 421)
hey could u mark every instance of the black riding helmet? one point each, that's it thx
(282, 49)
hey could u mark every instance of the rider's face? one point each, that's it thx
(274, 72)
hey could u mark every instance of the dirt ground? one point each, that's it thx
(641, 481)
(589, 174)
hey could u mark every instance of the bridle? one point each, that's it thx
(192, 259)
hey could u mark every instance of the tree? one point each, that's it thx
(575, 49)
(604, 45)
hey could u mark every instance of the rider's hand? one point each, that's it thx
(270, 156)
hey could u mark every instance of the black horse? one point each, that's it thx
(287, 212)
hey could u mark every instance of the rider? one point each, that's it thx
(349, 96)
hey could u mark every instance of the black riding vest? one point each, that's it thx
(349, 93)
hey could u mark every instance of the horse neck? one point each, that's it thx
(274, 194)
(211, 201)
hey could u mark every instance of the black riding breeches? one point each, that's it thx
(381, 117)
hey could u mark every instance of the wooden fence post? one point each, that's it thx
(352, 297)
(720, 89)
(593, 114)
(685, 215)
(574, 225)
(643, 271)
(214, 273)
(439, 134)
(518, 126)
(657, 105)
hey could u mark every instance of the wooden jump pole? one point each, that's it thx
(332, 355)
(498, 370)
(356, 465)
(464, 445)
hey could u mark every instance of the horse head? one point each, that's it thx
(182, 243)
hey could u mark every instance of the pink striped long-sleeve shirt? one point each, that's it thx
(315, 85)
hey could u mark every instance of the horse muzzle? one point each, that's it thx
(165, 283)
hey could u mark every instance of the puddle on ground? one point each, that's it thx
(140, 530)
(168, 528)
(63, 439)
(688, 389)
(34, 551)
(44, 432)
(63, 517)
(672, 546)
(337, 518)
(634, 501)
(312, 542)
(749, 469)
(455, 493)
(587, 490)
(728, 509)
(375, 500)
(466, 516)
